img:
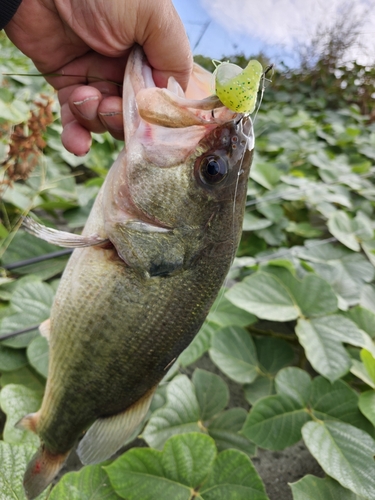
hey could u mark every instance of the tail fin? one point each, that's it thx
(42, 469)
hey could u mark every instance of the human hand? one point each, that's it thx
(93, 39)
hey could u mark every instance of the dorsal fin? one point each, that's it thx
(107, 435)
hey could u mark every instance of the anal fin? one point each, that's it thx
(107, 435)
(44, 328)
(61, 238)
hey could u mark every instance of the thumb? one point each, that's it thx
(166, 44)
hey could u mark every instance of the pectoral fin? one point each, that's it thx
(61, 238)
(107, 435)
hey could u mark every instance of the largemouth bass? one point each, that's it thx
(155, 251)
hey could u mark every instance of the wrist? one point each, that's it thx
(7, 10)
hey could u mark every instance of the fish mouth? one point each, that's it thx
(171, 107)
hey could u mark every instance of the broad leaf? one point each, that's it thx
(234, 477)
(363, 318)
(345, 453)
(212, 393)
(224, 313)
(24, 376)
(344, 229)
(225, 430)
(315, 488)
(295, 383)
(11, 359)
(200, 344)
(367, 405)
(150, 474)
(37, 352)
(14, 459)
(265, 296)
(275, 422)
(25, 246)
(31, 304)
(180, 414)
(188, 466)
(16, 401)
(90, 483)
(322, 339)
(233, 351)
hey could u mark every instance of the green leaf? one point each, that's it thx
(363, 318)
(294, 383)
(369, 249)
(150, 474)
(16, 401)
(369, 362)
(265, 296)
(224, 313)
(315, 488)
(358, 369)
(24, 246)
(13, 459)
(273, 354)
(367, 405)
(345, 453)
(313, 295)
(322, 340)
(90, 483)
(260, 388)
(37, 352)
(11, 359)
(336, 401)
(233, 351)
(212, 393)
(254, 223)
(180, 414)
(200, 344)
(275, 422)
(225, 430)
(233, 477)
(368, 297)
(23, 376)
(344, 229)
(31, 304)
(265, 174)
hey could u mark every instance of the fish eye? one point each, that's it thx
(213, 169)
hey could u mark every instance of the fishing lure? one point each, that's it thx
(237, 88)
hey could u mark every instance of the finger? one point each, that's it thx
(83, 103)
(166, 44)
(110, 113)
(104, 73)
(76, 139)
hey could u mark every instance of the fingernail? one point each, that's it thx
(113, 119)
(86, 109)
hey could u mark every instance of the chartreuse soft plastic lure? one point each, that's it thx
(237, 88)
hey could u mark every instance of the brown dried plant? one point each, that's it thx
(26, 142)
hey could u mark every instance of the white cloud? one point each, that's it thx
(287, 22)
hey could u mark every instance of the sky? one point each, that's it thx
(224, 27)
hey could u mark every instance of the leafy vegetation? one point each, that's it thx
(294, 327)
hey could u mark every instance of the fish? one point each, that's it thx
(151, 259)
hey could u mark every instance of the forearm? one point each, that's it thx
(7, 10)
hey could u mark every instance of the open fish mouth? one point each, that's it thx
(172, 107)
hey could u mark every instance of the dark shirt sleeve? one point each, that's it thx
(7, 10)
